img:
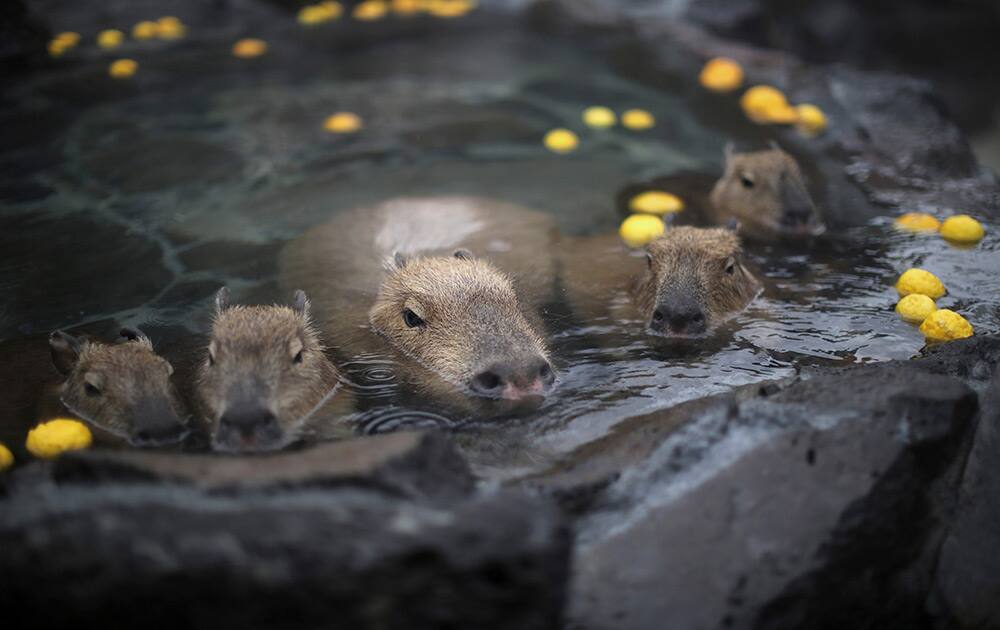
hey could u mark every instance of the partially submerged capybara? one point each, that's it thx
(403, 270)
(683, 284)
(264, 376)
(123, 388)
(762, 193)
(765, 192)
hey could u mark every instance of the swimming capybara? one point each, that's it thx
(264, 377)
(681, 284)
(452, 283)
(122, 388)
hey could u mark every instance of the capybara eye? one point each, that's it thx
(298, 357)
(746, 181)
(411, 319)
(730, 265)
(91, 390)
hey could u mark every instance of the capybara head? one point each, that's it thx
(263, 375)
(460, 317)
(123, 388)
(695, 278)
(765, 192)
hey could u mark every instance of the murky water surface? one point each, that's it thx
(135, 200)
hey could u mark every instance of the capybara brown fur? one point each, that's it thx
(452, 283)
(681, 284)
(264, 376)
(122, 388)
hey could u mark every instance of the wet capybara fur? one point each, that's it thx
(765, 192)
(123, 389)
(682, 284)
(451, 283)
(264, 375)
(761, 193)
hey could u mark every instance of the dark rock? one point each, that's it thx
(804, 507)
(167, 556)
(409, 464)
(967, 580)
(974, 359)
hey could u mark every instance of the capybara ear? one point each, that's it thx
(300, 303)
(134, 334)
(727, 154)
(394, 263)
(65, 350)
(222, 300)
(463, 254)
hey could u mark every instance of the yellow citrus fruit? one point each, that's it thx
(766, 104)
(110, 39)
(561, 141)
(343, 122)
(57, 48)
(370, 10)
(69, 38)
(811, 120)
(656, 202)
(915, 308)
(721, 75)
(917, 222)
(638, 119)
(449, 8)
(406, 7)
(920, 281)
(169, 28)
(639, 229)
(331, 8)
(6, 457)
(51, 438)
(945, 325)
(249, 47)
(145, 30)
(122, 68)
(962, 228)
(599, 117)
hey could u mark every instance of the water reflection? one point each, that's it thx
(142, 203)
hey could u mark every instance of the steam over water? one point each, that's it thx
(136, 201)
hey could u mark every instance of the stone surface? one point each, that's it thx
(408, 464)
(967, 580)
(141, 555)
(777, 506)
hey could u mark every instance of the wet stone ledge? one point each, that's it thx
(822, 502)
(347, 535)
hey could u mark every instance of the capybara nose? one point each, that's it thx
(250, 423)
(684, 320)
(515, 380)
(795, 217)
(155, 423)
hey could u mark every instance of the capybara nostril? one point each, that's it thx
(546, 374)
(488, 382)
(515, 380)
(155, 423)
(681, 319)
(247, 420)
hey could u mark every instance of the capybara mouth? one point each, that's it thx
(798, 228)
